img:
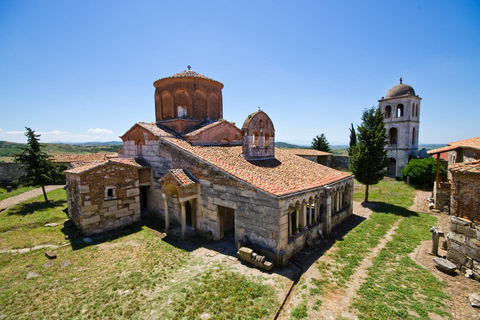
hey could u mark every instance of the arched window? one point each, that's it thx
(400, 110)
(392, 136)
(255, 139)
(413, 109)
(139, 147)
(417, 110)
(388, 111)
(413, 135)
(392, 167)
(267, 139)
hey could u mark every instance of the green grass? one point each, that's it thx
(396, 287)
(134, 275)
(4, 194)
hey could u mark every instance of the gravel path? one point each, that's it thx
(6, 203)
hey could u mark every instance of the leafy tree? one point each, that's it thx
(353, 140)
(423, 171)
(369, 157)
(320, 143)
(39, 169)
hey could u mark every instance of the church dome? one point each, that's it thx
(400, 90)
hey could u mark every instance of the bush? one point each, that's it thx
(423, 171)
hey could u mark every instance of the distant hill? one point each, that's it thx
(8, 149)
(285, 145)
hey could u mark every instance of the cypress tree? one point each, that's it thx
(369, 158)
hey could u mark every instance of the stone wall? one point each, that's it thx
(92, 209)
(465, 196)
(464, 245)
(341, 162)
(10, 171)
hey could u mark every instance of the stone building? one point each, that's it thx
(467, 150)
(317, 156)
(401, 108)
(205, 175)
(464, 239)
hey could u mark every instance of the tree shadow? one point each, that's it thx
(24, 209)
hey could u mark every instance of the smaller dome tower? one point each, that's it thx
(258, 134)
(401, 109)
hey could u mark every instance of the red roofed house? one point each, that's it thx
(203, 173)
(467, 150)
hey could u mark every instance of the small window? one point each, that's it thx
(110, 193)
(388, 111)
(399, 110)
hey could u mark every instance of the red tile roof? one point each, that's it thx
(308, 152)
(204, 128)
(183, 177)
(281, 176)
(472, 143)
(81, 167)
(82, 157)
(465, 167)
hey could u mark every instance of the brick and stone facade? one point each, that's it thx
(211, 178)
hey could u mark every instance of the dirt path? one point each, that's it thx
(6, 203)
(459, 287)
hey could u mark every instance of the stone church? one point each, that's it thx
(401, 108)
(203, 175)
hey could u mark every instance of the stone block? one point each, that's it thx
(219, 188)
(456, 237)
(123, 214)
(93, 207)
(474, 243)
(125, 221)
(456, 256)
(133, 192)
(134, 206)
(110, 203)
(84, 188)
(459, 221)
(472, 253)
(90, 220)
(87, 203)
(467, 231)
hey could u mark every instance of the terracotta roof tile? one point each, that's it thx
(472, 143)
(281, 176)
(202, 129)
(465, 167)
(81, 167)
(184, 177)
(82, 157)
(308, 152)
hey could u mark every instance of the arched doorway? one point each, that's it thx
(190, 218)
(392, 167)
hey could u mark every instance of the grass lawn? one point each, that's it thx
(396, 287)
(4, 194)
(135, 275)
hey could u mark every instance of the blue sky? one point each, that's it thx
(78, 71)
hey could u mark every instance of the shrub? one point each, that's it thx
(423, 171)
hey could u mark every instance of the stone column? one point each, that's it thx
(167, 219)
(290, 227)
(184, 220)
(328, 211)
(304, 214)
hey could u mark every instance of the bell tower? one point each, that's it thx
(401, 109)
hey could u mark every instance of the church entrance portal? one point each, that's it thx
(226, 222)
(392, 167)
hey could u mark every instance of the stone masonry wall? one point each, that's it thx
(92, 211)
(10, 171)
(465, 196)
(464, 245)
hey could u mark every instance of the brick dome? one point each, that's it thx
(400, 90)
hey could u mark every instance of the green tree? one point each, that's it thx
(39, 169)
(423, 171)
(321, 143)
(353, 140)
(369, 158)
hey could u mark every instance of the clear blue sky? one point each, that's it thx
(79, 71)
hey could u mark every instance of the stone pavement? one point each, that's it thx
(6, 203)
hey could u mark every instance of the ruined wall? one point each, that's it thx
(10, 171)
(341, 162)
(464, 245)
(465, 196)
(89, 205)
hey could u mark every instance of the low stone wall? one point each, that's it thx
(464, 245)
(340, 162)
(10, 171)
